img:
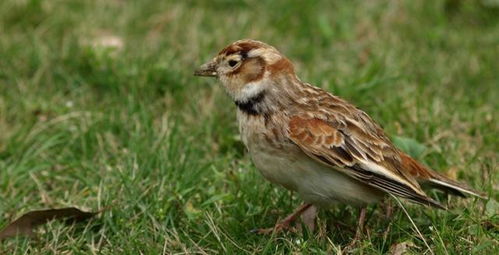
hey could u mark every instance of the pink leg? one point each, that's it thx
(388, 216)
(360, 224)
(284, 224)
(308, 218)
(360, 228)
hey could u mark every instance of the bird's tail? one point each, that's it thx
(445, 184)
(436, 180)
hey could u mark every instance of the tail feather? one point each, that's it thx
(433, 179)
(445, 184)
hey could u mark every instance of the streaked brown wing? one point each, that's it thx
(357, 153)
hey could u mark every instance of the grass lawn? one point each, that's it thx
(128, 126)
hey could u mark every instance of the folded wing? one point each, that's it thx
(360, 151)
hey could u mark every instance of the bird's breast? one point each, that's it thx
(271, 152)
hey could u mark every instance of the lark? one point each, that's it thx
(315, 143)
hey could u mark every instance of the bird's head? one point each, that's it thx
(247, 68)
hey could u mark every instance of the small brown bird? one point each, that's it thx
(312, 142)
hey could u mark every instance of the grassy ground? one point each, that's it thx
(129, 127)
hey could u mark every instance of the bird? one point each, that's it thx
(314, 143)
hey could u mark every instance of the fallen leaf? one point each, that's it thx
(108, 41)
(26, 223)
(492, 208)
(401, 248)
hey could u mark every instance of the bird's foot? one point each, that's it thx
(279, 227)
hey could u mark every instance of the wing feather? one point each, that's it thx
(363, 155)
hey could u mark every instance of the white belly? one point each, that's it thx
(314, 182)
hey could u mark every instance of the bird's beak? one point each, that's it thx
(209, 69)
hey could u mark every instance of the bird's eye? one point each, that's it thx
(232, 63)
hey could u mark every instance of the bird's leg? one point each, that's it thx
(360, 224)
(286, 222)
(388, 216)
(360, 227)
(308, 218)
(388, 208)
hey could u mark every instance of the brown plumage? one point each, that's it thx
(312, 142)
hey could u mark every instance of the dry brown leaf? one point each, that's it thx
(26, 223)
(401, 248)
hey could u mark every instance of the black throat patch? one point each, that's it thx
(251, 105)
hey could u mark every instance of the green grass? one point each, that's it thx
(89, 126)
